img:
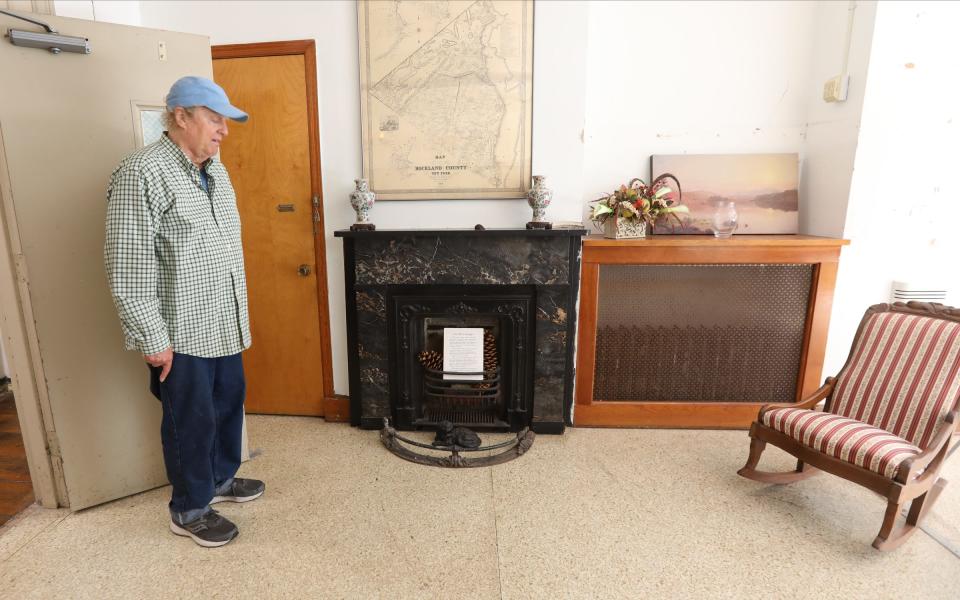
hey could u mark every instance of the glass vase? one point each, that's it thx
(725, 219)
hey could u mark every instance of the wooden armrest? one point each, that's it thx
(935, 452)
(816, 397)
(808, 402)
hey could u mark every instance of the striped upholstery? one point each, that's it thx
(903, 375)
(847, 439)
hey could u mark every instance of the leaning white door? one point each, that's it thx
(66, 121)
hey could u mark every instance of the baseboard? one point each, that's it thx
(336, 409)
(371, 423)
(548, 427)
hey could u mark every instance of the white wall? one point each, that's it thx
(904, 202)
(830, 148)
(693, 77)
(122, 12)
(833, 128)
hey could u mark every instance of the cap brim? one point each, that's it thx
(231, 112)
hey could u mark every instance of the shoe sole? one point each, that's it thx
(236, 498)
(176, 529)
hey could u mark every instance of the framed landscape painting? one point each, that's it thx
(763, 186)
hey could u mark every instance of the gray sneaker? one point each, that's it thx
(241, 490)
(210, 530)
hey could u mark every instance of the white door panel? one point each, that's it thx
(67, 121)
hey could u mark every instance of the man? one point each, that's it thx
(174, 261)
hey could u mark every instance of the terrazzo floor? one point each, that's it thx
(595, 513)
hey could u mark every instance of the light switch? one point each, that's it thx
(835, 89)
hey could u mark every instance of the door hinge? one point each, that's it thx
(316, 214)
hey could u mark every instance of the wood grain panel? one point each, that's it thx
(16, 490)
(818, 322)
(692, 415)
(705, 255)
(269, 159)
(709, 241)
(587, 337)
(337, 409)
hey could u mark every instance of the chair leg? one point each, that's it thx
(750, 471)
(883, 540)
(757, 446)
(921, 506)
(888, 539)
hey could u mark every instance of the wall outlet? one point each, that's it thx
(162, 51)
(835, 89)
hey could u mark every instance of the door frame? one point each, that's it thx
(335, 407)
(23, 355)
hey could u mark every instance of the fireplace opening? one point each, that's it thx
(498, 397)
(472, 398)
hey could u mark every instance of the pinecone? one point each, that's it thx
(431, 359)
(490, 358)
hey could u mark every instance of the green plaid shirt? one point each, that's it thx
(173, 255)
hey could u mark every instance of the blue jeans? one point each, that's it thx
(202, 429)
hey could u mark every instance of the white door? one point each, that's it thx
(66, 121)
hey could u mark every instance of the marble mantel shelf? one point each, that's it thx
(498, 232)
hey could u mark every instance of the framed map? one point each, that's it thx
(446, 98)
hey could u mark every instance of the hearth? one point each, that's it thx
(405, 288)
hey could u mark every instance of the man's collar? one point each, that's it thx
(177, 152)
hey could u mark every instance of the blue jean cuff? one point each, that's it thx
(189, 516)
(223, 488)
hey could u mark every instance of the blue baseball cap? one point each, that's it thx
(200, 91)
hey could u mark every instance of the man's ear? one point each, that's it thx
(180, 115)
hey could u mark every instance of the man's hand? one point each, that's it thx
(164, 360)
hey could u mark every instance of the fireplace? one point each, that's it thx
(418, 316)
(405, 288)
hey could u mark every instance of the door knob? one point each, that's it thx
(304, 270)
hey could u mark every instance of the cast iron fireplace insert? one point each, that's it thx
(417, 317)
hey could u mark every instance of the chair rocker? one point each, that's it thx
(888, 416)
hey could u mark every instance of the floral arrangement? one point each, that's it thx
(640, 202)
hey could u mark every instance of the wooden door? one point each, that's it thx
(273, 160)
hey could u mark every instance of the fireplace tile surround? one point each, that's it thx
(464, 266)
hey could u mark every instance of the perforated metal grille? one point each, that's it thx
(434, 412)
(700, 333)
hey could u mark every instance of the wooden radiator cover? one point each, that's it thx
(692, 331)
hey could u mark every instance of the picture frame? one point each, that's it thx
(764, 188)
(446, 91)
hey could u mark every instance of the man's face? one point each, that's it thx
(203, 131)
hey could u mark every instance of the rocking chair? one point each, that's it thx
(888, 417)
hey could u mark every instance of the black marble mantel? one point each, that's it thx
(547, 261)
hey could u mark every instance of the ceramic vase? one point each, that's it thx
(617, 228)
(539, 197)
(362, 200)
